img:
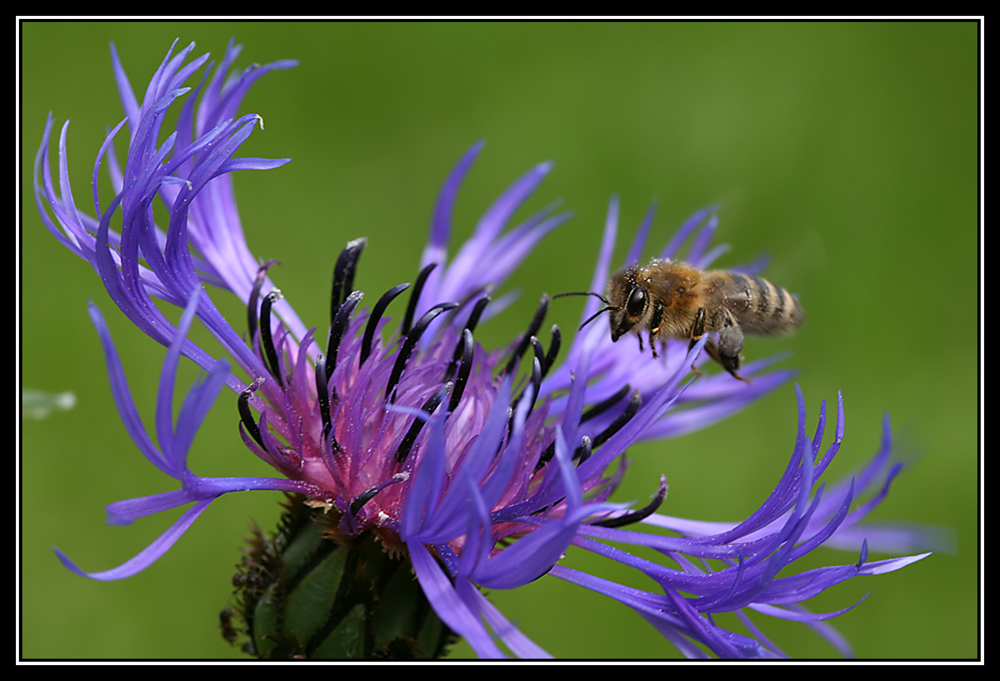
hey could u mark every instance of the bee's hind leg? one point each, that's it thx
(727, 351)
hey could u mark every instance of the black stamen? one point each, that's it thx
(266, 341)
(477, 312)
(636, 516)
(411, 307)
(550, 356)
(536, 381)
(536, 323)
(602, 407)
(474, 294)
(546, 456)
(470, 326)
(536, 374)
(339, 326)
(334, 447)
(363, 499)
(584, 451)
(359, 501)
(536, 345)
(323, 392)
(464, 369)
(343, 274)
(376, 315)
(428, 408)
(411, 341)
(246, 416)
(580, 454)
(634, 402)
(252, 300)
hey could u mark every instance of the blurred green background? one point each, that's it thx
(848, 153)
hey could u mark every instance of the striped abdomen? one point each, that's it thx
(755, 304)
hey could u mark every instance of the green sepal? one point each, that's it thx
(309, 592)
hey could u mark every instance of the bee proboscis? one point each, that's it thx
(672, 299)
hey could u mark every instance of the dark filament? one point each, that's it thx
(418, 423)
(252, 300)
(536, 382)
(634, 402)
(602, 407)
(583, 451)
(373, 319)
(363, 498)
(338, 327)
(266, 341)
(343, 274)
(470, 326)
(536, 345)
(411, 341)
(536, 323)
(246, 416)
(464, 369)
(636, 516)
(359, 501)
(554, 345)
(323, 392)
(477, 312)
(323, 397)
(411, 307)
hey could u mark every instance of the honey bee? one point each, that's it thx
(672, 299)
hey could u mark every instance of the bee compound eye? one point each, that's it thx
(637, 300)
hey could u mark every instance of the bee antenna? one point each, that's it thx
(597, 314)
(583, 293)
(607, 306)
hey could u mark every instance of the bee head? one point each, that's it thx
(628, 301)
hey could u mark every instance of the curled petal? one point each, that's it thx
(147, 556)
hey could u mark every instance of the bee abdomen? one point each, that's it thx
(759, 306)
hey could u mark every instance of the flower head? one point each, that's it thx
(479, 472)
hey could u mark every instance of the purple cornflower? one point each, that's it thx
(421, 439)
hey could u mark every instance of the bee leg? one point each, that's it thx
(697, 331)
(695, 370)
(654, 327)
(728, 350)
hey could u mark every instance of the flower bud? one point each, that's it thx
(310, 592)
